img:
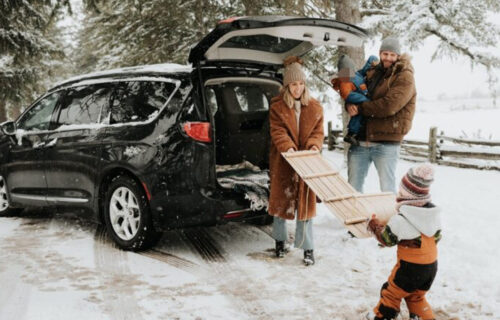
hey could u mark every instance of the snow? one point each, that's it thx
(160, 68)
(58, 266)
(61, 267)
(131, 151)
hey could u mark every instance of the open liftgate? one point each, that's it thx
(352, 208)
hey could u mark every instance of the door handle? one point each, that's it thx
(51, 143)
(39, 145)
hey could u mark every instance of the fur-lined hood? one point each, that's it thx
(403, 63)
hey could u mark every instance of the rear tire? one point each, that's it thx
(5, 208)
(127, 215)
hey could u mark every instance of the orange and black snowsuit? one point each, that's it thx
(416, 268)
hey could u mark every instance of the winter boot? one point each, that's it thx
(280, 249)
(308, 257)
(351, 138)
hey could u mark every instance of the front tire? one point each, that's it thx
(127, 215)
(5, 208)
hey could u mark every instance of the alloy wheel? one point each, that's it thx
(124, 213)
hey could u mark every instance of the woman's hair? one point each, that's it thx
(289, 99)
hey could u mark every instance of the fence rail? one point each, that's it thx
(439, 149)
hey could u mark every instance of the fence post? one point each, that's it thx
(331, 138)
(433, 145)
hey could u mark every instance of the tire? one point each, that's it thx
(127, 215)
(5, 208)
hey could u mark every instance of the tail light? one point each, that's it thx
(199, 131)
(228, 20)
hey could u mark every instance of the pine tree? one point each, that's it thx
(461, 27)
(30, 52)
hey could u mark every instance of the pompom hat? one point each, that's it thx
(415, 186)
(293, 70)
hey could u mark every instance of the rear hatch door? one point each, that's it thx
(270, 39)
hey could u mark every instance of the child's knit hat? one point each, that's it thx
(293, 70)
(345, 67)
(415, 186)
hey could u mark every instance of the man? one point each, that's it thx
(388, 114)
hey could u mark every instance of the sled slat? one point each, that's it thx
(354, 209)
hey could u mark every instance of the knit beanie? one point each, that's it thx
(345, 67)
(391, 44)
(293, 70)
(415, 185)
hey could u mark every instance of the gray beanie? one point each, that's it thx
(345, 67)
(391, 44)
(293, 70)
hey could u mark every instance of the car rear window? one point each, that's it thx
(240, 97)
(262, 42)
(133, 101)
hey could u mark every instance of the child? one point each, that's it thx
(352, 88)
(416, 229)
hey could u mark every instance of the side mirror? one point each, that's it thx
(8, 128)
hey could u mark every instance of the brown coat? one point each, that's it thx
(390, 112)
(287, 193)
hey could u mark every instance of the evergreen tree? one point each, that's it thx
(30, 52)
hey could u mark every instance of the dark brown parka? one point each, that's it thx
(390, 112)
(288, 193)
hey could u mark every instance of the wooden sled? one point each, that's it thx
(354, 209)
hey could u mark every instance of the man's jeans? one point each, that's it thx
(383, 155)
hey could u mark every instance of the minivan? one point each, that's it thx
(138, 148)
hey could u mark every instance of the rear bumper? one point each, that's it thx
(195, 209)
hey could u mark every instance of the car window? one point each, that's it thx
(251, 98)
(38, 117)
(83, 105)
(262, 42)
(211, 100)
(138, 100)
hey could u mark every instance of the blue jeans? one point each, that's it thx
(383, 155)
(303, 233)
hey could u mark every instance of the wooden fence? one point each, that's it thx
(439, 149)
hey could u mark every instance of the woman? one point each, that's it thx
(296, 123)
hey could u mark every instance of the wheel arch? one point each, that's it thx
(105, 181)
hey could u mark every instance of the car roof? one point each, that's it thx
(153, 70)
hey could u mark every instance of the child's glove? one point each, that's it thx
(377, 228)
(374, 224)
(373, 61)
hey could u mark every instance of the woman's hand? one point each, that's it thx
(314, 148)
(291, 150)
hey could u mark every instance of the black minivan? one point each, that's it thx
(138, 148)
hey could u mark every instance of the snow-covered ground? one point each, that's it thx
(58, 266)
(55, 266)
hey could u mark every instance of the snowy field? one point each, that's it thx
(465, 118)
(57, 266)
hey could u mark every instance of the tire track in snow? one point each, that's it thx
(15, 292)
(111, 263)
(220, 267)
